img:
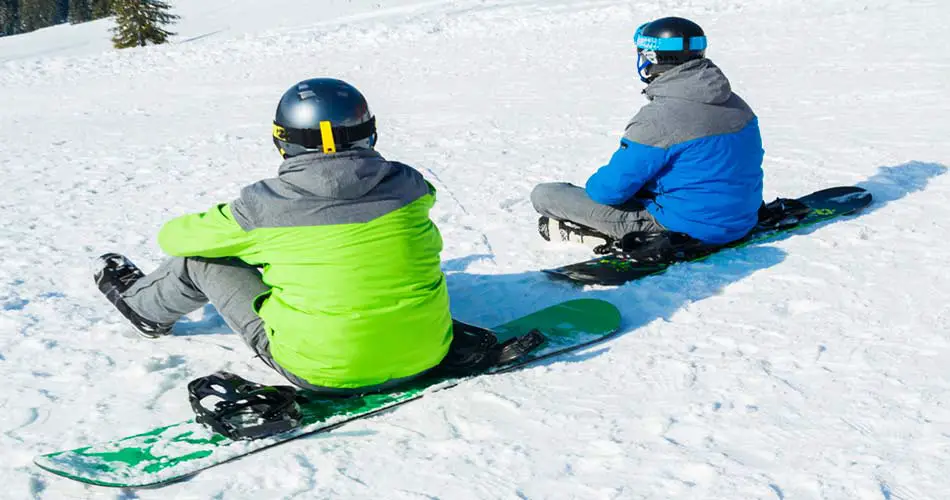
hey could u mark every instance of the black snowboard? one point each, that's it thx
(628, 265)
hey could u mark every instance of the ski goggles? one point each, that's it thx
(674, 44)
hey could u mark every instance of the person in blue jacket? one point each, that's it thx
(690, 161)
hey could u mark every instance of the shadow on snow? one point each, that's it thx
(492, 299)
(893, 183)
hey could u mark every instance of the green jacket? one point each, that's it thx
(357, 292)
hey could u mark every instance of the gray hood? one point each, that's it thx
(696, 81)
(344, 176)
(690, 101)
(316, 189)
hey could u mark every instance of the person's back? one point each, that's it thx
(690, 161)
(357, 293)
(330, 271)
(693, 155)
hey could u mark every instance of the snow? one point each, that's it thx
(811, 367)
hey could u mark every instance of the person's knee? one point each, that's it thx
(538, 195)
(200, 271)
(544, 195)
(177, 266)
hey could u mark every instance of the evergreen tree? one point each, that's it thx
(80, 11)
(20, 16)
(9, 17)
(62, 11)
(36, 14)
(140, 22)
(100, 8)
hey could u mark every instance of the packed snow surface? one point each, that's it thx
(814, 366)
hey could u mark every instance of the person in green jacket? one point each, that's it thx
(330, 271)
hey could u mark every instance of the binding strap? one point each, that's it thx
(327, 137)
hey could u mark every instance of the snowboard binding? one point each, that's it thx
(474, 350)
(243, 410)
(666, 247)
(661, 247)
(782, 213)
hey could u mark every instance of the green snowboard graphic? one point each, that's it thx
(171, 453)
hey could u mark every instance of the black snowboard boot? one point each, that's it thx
(475, 350)
(562, 230)
(783, 212)
(114, 275)
(662, 247)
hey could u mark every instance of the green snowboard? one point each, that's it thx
(175, 452)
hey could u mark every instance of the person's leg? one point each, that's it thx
(182, 285)
(563, 201)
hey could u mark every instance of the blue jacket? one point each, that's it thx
(692, 155)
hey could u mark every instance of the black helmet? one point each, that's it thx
(323, 115)
(665, 43)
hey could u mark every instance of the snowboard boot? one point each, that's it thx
(561, 230)
(114, 275)
(662, 247)
(475, 350)
(781, 213)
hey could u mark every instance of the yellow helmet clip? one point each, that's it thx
(326, 133)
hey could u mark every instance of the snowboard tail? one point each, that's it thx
(620, 268)
(175, 452)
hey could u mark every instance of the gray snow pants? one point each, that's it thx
(184, 284)
(563, 201)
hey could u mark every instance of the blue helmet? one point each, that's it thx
(323, 115)
(666, 43)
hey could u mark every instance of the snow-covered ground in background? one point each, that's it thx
(812, 367)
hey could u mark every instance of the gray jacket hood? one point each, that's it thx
(690, 101)
(697, 81)
(344, 176)
(316, 189)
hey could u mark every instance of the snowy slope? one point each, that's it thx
(220, 20)
(812, 367)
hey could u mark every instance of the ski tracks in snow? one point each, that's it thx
(809, 367)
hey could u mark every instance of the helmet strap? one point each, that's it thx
(642, 64)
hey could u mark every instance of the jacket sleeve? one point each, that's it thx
(208, 234)
(630, 167)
